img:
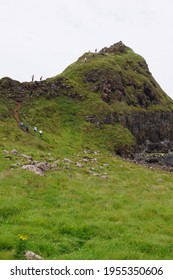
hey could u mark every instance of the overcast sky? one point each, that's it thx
(42, 37)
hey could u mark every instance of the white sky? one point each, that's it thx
(42, 37)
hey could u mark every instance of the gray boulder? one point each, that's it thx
(33, 169)
(29, 255)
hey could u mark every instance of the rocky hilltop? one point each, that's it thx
(113, 86)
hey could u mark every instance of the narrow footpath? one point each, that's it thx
(16, 112)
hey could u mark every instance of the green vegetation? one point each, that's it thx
(124, 212)
(94, 205)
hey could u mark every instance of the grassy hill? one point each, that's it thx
(120, 77)
(94, 204)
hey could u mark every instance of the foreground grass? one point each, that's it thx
(71, 214)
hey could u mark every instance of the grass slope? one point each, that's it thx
(125, 212)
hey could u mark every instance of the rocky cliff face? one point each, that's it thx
(17, 91)
(153, 131)
(152, 126)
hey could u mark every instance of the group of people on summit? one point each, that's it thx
(41, 78)
(26, 128)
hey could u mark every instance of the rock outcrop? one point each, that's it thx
(155, 127)
(49, 89)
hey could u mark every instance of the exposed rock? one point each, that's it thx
(93, 173)
(86, 151)
(26, 157)
(85, 160)
(152, 160)
(66, 167)
(104, 176)
(68, 160)
(15, 164)
(156, 148)
(51, 89)
(53, 166)
(116, 48)
(32, 162)
(56, 161)
(8, 157)
(6, 152)
(29, 255)
(34, 169)
(94, 159)
(154, 127)
(98, 175)
(79, 164)
(160, 180)
(44, 166)
(14, 152)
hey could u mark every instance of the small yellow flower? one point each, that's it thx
(22, 237)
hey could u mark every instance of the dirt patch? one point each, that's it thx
(16, 111)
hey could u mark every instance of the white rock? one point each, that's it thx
(44, 166)
(6, 152)
(34, 169)
(104, 176)
(27, 157)
(14, 152)
(32, 256)
(68, 160)
(79, 164)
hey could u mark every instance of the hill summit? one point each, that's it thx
(119, 75)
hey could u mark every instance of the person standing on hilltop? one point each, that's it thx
(32, 78)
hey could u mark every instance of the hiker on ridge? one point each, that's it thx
(40, 132)
(27, 128)
(21, 124)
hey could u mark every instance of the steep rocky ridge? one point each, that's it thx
(118, 88)
(17, 91)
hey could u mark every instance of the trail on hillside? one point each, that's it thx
(16, 111)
